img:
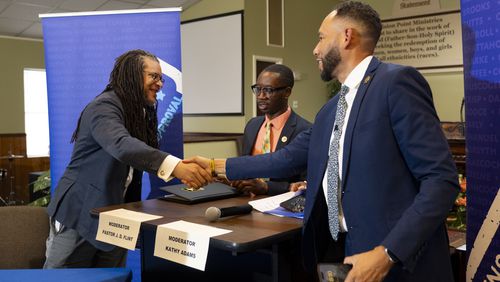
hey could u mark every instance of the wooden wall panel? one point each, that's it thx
(18, 167)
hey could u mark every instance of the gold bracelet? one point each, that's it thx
(212, 167)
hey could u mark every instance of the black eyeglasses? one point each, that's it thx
(268, 91)
(156, 76)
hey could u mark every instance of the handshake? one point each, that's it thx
(198, 171)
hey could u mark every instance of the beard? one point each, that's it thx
(330, 62)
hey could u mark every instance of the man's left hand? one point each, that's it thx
(369, 266)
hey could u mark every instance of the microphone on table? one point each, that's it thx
(213, 213)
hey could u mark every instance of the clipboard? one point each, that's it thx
(181, 193)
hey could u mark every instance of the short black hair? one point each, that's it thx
(286, 74)
(364, 14)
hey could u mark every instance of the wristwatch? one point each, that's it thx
(391, 256)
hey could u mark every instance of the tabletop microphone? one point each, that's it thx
(213, 213)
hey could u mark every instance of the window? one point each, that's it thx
(36, 117)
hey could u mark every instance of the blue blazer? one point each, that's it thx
(100, 162)
(399, 180)
(293, 126)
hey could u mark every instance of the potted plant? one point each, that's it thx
(42, 187)
(458, 215)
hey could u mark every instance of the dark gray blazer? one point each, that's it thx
(293, 126)
(96, 174)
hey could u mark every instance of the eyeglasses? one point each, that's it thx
(156, 76)
(268, 91)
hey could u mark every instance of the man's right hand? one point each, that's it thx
(220, 164)
(192, 174)
(201, 161)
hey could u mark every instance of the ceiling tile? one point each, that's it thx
(34, 31)
(59, 11)
(13, 26)
(48, 3)
(3, 5)
(82, 6)
(166, 3)
(118, 5)
(142, 2)
(24, 11)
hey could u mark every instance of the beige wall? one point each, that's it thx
(206, 8)
(219, 149)
(448, 91)
(15, 56)
(302, 20)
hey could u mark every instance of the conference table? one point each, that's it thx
(261, 247)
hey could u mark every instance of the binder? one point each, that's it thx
(181, 193)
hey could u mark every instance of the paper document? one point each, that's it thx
(271, 205)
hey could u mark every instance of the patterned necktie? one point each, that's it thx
(333, 166)
(266, 145)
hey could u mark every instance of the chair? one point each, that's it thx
(23, 232)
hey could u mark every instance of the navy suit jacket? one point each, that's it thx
(399, 180)
(100, 162)
(293, 126)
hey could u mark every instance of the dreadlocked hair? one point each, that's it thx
(127, 81)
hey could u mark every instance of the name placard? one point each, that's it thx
(120, 227)
(185, 243)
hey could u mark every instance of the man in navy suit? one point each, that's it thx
(395, 176)
(272, 90)
(115, 140)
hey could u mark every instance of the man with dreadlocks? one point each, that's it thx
(115, 140)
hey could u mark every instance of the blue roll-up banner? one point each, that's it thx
(481, 45)
(80, 49)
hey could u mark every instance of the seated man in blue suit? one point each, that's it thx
(380, 177)
(274, 130)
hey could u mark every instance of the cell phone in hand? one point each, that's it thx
(333, 272)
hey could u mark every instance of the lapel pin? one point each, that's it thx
(283, 139)
(367, 79)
